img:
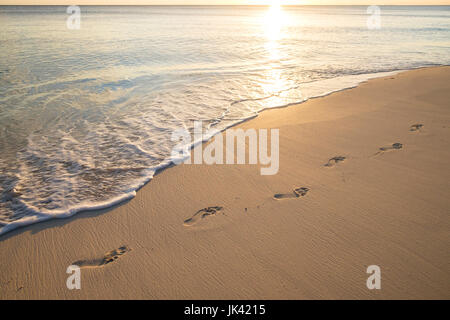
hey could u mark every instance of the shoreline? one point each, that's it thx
(169, 260)
(168, 162)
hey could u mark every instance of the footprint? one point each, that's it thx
(394, 146)
(109, 257)
(296, 193)
(201, 214)
(416, 127)
(335, 160)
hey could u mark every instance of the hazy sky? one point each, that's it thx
(174, 2)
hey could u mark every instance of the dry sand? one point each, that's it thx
(388, 208)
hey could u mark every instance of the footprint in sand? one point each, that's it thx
(296, 193)
(201, 214)
(416, 127)
(109, 257)
(335, 160)
(394, 146)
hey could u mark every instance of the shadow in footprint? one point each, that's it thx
(296, 193)
(109, 257)
(394, 146)
(416, 127)
(335, 160)
(201, 214)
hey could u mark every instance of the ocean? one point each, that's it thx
(87, 115)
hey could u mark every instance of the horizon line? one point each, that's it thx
(230, 5)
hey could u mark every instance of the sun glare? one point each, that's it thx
(275, 5)
(274, 20)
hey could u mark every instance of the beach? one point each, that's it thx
(373, 162)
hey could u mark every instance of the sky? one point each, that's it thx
(222, 2)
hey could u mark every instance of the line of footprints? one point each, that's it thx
(115, 254)
(297, 192)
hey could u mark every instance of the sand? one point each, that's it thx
(369, 206)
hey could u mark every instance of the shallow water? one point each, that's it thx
(86, 116)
